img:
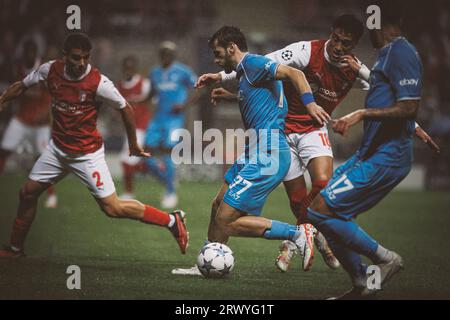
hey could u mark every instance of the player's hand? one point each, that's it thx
(342, 124)
(137, 151)
(318, 113)
(207, 80)
(427, 139)
(350, 61)
(219, 94)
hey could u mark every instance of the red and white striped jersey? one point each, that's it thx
(329, 82)
(135, 91)
(34, 104)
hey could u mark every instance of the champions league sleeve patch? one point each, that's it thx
(287, 55)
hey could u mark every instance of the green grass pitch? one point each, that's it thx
(123, 259)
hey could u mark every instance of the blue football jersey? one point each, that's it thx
(261, 98)
(395, 76)
(171, 87)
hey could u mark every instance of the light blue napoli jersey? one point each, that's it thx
(395, 76)
(261, 98)
(171, 87)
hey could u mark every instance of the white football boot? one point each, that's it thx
(287, 251)
(387, 271)
(194, 271)
(325, 251)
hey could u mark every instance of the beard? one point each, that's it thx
(228, 66)
(228, 69)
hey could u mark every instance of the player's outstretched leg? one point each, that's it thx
(133, 209)
(354, 240)
(26, 212)
(299, 200)
(232, 222)
(296, 192)
(212, 234)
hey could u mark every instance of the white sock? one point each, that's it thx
(172, 221)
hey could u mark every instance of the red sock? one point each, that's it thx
(155, 216)
(316, 187)
(19, 232)
(128, 174)
(51, 190)
(296, 198)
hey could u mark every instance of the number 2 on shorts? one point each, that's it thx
(96, 175)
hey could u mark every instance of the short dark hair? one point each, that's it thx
(391, 12)
(228, 34)
(350, 24)
(77, 40)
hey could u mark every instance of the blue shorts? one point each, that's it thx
(358, 185)
(162, 132)
(250, 184)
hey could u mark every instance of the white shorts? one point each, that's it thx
(17, 132)
(54, 164)
(124, 155)
(304, 147)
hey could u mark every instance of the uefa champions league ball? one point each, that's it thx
(215, 260)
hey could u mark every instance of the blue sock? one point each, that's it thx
(169, 177)
(281, 231)
(154, 169)
(346, 232)
(351, 262)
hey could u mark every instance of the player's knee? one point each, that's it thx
(26, 193)
(322, 178)
(296, 198)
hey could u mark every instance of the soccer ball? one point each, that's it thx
(215, 260)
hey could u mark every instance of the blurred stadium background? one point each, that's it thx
(120, 28)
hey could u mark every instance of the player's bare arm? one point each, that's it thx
(364, 73)
(14, 91)
(422, 135)
(208, 79)
(299, 81)
(401, 110)
(127, 114)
